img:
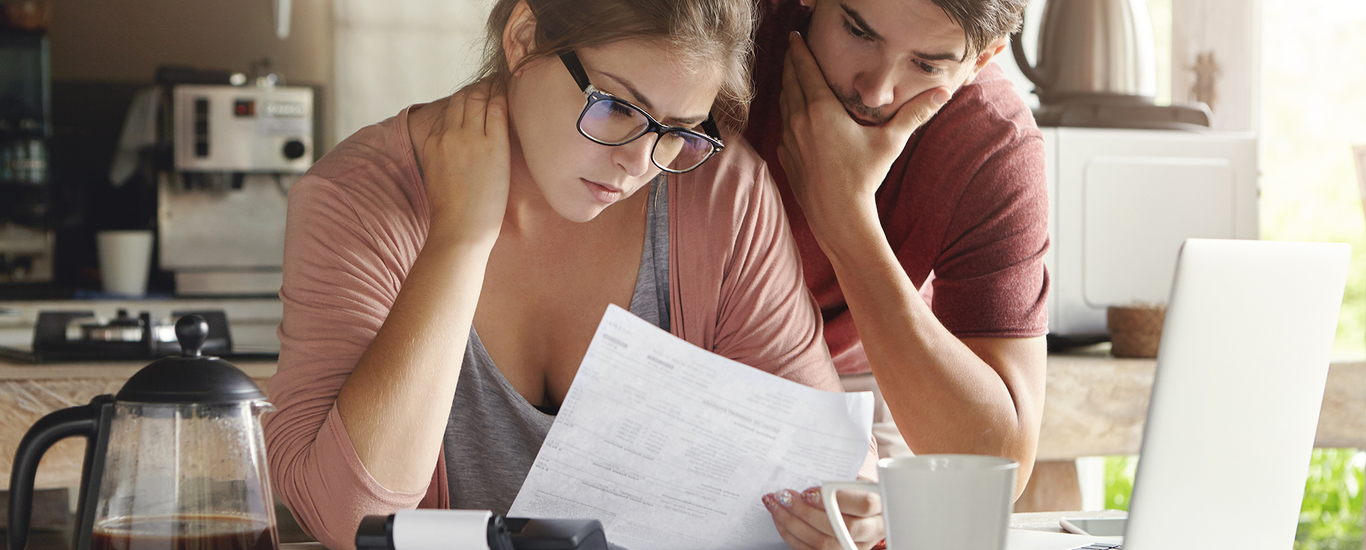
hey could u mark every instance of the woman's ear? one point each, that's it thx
(519, 36)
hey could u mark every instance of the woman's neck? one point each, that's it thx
(528, 212)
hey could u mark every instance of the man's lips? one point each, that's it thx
(859, 119)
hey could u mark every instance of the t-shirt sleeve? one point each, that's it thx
(338, 289)
(740, 277)
(775, 321)
(767, 317)
(990, 279)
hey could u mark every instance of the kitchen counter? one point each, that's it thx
(49, 539)
(252, 320)
(1095, 406)
(29, 391)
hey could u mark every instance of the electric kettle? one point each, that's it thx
(1092, 49)
(175, 460)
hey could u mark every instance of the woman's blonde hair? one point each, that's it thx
(702, 34)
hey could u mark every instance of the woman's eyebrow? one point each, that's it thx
(645, 102)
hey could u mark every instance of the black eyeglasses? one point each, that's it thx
(609, 120)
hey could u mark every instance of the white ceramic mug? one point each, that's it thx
(125, 260)
(934, 502)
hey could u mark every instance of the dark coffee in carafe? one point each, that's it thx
(184, 532)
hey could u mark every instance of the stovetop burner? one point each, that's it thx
(65, 336)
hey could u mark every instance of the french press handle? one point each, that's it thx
(89, 421)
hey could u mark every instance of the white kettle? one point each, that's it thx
(1092, 49)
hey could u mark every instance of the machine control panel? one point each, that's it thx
(243, 129)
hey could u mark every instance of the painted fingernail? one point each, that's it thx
(786, 497)
(769, 502)
(812, 496)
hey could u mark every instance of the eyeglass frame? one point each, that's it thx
(593, 95)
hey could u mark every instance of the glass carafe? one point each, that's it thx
(186, 476)
(175, 461)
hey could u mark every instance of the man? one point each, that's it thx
(909, 165)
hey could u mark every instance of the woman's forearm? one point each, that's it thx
(396, 401)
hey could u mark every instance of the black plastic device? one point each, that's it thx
(557, 534)
(377, 533)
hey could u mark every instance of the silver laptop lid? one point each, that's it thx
(1235, 404)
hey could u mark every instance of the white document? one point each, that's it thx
(671, 446)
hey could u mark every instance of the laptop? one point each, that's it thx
(1235, 403)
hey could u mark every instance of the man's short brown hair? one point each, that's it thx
(983, 21)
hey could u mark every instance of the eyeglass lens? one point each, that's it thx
(614, 122)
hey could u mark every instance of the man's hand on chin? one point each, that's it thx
(833, 163)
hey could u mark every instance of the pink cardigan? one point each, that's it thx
(357, 221)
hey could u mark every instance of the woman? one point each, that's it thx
(445, 269)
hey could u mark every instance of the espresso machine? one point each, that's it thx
(27, 241)
(236, 149)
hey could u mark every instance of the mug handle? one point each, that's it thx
(832, 507)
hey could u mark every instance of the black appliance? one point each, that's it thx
(26, 239)
(75, 335)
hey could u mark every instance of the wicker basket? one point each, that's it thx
(1135, 331)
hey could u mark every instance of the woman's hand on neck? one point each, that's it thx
(465, 159)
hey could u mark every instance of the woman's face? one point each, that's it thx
(577, 177)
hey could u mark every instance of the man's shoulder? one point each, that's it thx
(983, 141)
(986, 121)
(987, 109)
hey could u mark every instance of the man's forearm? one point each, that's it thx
(979, 396)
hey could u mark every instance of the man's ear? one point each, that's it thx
(519, 36)
(988, 53)
(992, 50)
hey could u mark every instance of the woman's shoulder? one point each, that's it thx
(728, 179)
(381, 143)
(726, 201)
(374, 169)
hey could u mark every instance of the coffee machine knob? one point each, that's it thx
(294, 149)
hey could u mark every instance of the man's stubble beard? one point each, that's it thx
(863, 114)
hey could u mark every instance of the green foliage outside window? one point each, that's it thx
(1330, 518)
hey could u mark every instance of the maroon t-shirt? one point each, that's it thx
(967, 200)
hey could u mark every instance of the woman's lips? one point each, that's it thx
(602, 193)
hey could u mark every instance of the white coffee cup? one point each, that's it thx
(934, 502)
(125, 259)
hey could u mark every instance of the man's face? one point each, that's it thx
(878, 54)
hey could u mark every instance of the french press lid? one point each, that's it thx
(192, 377)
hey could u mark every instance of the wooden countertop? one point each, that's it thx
(107, 370)
(28, 392)
(1096, 405)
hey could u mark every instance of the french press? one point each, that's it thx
(175, 461)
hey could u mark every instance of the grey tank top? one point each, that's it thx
(493, 434)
